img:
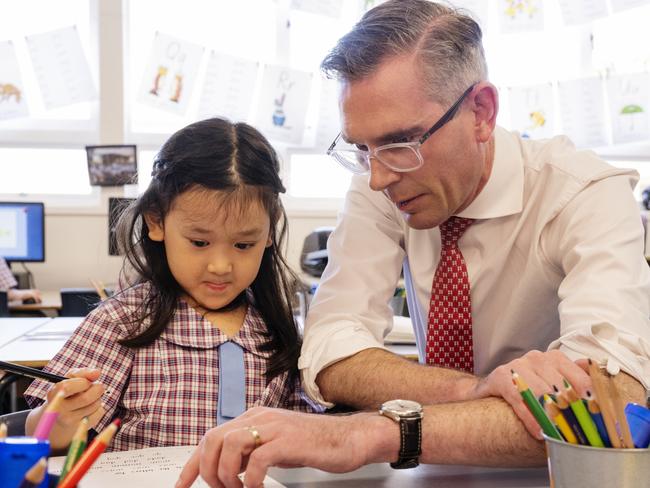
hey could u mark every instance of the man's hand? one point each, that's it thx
(24, 294)
(541, 370)
(288, 439)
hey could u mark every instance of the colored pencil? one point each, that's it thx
(621, 418)
(87, 459)
(35, 475)
(76, 449)
(3, 430)
(535, 408)
(31, 372)
(600, 385)
(584, 419)
(565, 408)
(594, 411)
(51, 413)
(556, 416)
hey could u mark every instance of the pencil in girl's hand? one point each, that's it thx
(565, 408)
(49, 417)
(76, 449)
(556, 416)
(3, 430)
(31, 372)
(35, 475)
(594, 411)
(534, 407)
(584, 419)
(87, 459)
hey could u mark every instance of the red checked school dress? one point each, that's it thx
(166, 393)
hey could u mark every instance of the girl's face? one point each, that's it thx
(214, 251)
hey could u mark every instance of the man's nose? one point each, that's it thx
(381, 176)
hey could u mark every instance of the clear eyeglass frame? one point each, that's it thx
(400, 157)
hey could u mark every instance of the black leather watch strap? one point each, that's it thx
(410, 443)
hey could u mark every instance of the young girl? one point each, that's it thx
(209, 311)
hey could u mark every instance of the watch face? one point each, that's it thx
(402, 407)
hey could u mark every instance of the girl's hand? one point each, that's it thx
(82, 398)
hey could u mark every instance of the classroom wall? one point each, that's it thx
(77, 249)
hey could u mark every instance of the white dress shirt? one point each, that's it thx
(555, 260)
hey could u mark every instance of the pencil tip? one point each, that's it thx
(589, 361)
(566, 383)
(512, 371)
(555, 389)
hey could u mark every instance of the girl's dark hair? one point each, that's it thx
(236, 159)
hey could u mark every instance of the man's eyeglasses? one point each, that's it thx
(399, 156)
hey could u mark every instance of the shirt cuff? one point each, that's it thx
(614, 347)
(323, 348)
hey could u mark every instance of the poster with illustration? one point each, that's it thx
(532, 110)
(582, 112)
(619, 5)
(228, 87)
(330, 8)
(12, 92)
(61, 67)
(582, 11)
(329, 120)
(169, 78)
(629, 107)
(521, 15)
(283, 103)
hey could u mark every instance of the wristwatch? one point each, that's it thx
(408, 415)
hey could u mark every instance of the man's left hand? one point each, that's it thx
(541, 371)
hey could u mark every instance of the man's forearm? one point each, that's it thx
(483, 432)
(373, 376)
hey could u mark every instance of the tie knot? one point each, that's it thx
(452, 229)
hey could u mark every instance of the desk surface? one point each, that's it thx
(381, 475)
(51, 301)
(32, 343)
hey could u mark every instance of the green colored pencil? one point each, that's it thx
(535, 407)
(582, 414)
(76, 449)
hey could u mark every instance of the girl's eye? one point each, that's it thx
(361, 147)
(402, 140)
(199, 243)
(244, 245)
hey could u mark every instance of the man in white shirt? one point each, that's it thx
(551, 249)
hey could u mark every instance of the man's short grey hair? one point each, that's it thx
(446, 40)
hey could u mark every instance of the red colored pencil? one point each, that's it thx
(91, 454)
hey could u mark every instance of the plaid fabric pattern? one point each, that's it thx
(166, 392)
(7, 279)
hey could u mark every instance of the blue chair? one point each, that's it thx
(78, 302)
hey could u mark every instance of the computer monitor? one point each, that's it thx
(22, 231)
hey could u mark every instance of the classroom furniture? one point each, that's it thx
(382, 475)
(78, 302)
(51, 301)
(15, 422)
(4, 304)
(34, 341)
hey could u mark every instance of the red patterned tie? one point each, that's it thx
(449, 341)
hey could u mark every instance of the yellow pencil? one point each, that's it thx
(555, 414)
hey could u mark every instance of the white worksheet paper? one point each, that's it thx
(154, 466)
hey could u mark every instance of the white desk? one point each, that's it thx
(382, 475)
(34, 344)
(12, 328)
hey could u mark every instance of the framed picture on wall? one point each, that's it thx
(112, 165)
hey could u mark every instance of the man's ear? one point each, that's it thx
(155, 225)
(486, 108)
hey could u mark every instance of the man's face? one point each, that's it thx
(392, 105)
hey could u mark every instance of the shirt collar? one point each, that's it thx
(188, 328)
(504, 190)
